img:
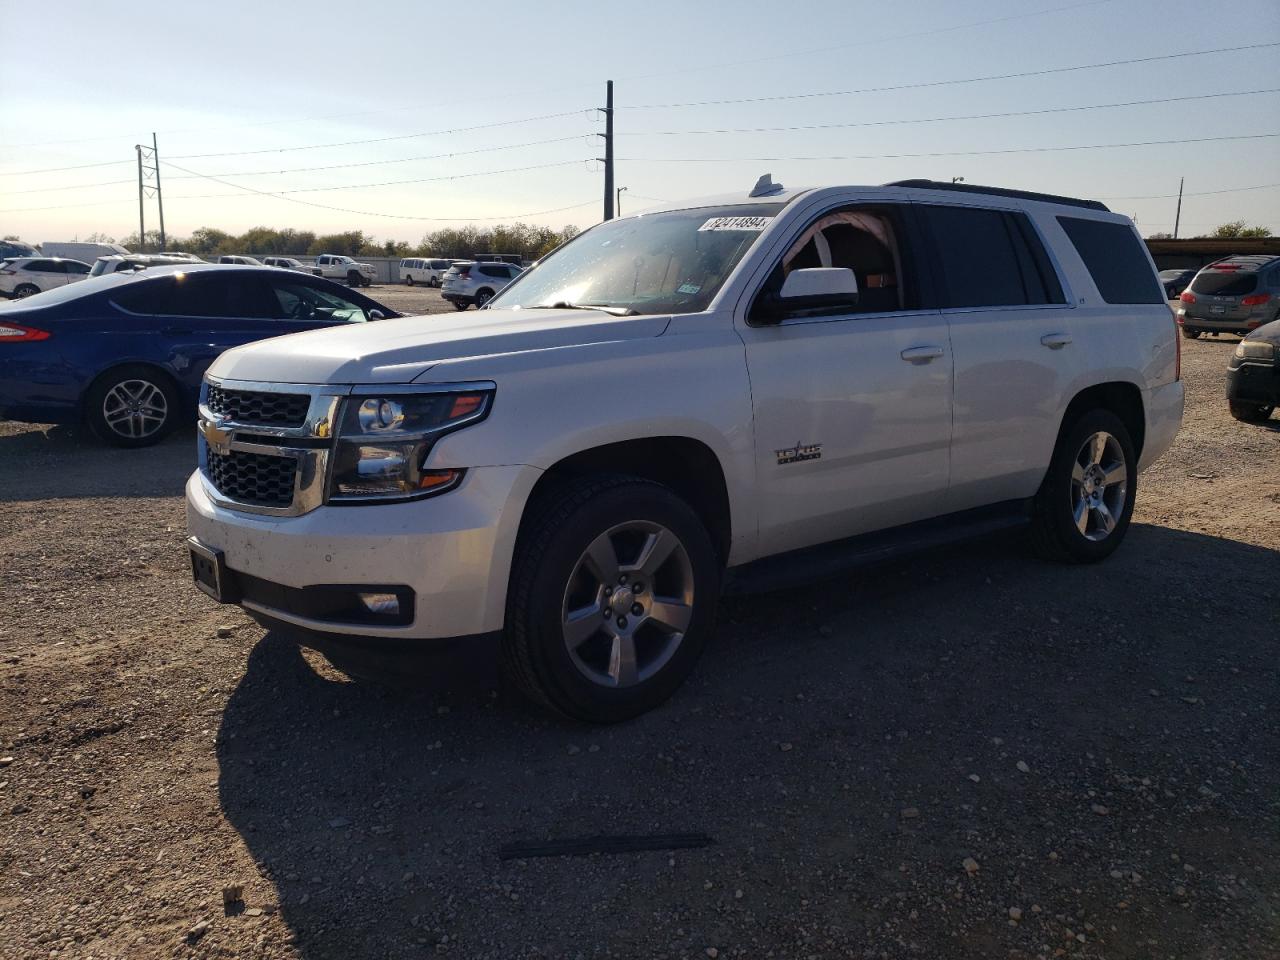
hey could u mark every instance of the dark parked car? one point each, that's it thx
(1234, 295)
(1175, 281)
(125, 352)
(1253, 375)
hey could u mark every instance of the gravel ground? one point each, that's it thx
(971, 754)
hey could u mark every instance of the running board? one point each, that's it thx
(832, 559)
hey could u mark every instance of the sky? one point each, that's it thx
(492, 112)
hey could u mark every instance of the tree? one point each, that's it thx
(1236, 229)
(1163, 235)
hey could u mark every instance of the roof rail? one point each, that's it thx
(1001, 192)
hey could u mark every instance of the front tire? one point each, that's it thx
(1250, 412)
(133, 406)
(613, 594)
(1191, 333)
(1085, 503)
(25, 290)
(353, 279)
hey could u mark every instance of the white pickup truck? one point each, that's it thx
(717, 396)
(335, 266)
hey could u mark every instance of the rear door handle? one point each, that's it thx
(921, 354)
(1056, 341)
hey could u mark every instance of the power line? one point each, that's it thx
(403, 136)
(79, 166)
(1202, 193)
(376, 163)
(943, 83)
(384, 183)
(947, 153)
(971, 116)
(282, 195)
(74, 186)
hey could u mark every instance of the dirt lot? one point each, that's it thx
(967, 755)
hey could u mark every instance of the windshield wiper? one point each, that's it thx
(602, 307)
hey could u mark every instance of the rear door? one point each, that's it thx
(1015, 359)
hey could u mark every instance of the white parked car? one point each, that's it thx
(426, 270)
(139, 261)
(285, 263)
(722, 395)
(25, 276)
(337, 267)
(466, 283)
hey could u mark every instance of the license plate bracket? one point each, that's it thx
(1217, 309)
(209, 572)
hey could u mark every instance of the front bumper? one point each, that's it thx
(1254, 382)
(453, 552)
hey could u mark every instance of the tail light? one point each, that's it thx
(1186, 296)
(1256, 300)
(12, 333)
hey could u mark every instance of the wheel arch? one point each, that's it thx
(689, 467)
(107, 371)
(1121, 397)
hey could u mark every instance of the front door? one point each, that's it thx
(853, 406)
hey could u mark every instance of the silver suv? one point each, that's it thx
(1234, 295)
(468, 282)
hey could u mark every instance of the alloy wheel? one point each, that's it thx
(135, 409)
(628, 604)
(1099, 486)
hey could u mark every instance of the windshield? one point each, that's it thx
(672, 262)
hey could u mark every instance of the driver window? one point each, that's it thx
(308, 304)
(866, 242)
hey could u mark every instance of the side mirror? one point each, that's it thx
(811, 288)
(377, 315)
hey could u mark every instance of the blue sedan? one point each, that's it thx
(126, 352)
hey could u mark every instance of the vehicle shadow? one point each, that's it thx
(816, 718)
(71, 462)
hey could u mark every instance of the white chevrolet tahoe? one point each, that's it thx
(726, 394)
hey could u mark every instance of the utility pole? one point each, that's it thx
(618, 211)
(155, 156)
(146, 173)
(1177, 217)
(142, 223)
(607, 110)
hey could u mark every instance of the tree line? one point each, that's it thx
(530, 242)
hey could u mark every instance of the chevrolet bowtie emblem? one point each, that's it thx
(219, 440)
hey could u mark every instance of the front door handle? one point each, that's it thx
(921, 354)
(1056, 341)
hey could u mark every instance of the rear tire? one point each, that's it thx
(1250, 412)
(1083, 508)
(1191, 333)
(133, 406)
(460, 305)
(408, 281)
(482, 297)
(25, 290)
(571, 644)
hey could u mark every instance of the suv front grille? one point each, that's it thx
(252, 406)
(253, 478)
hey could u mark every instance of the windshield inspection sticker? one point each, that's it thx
(688, 288)
(753, 224)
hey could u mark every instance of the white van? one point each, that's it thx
(84, 252)
(423, 270)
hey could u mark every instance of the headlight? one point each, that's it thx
(1255, 350)
(384, 441)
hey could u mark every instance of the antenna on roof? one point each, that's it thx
(765, 187)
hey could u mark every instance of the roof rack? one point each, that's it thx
(1001, 192)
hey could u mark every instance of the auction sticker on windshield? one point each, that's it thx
(754, 224)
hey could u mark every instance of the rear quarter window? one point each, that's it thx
(1115, 259)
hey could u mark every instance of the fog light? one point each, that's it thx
(383, 604)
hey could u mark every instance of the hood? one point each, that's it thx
(1269, 332)
(397, 351)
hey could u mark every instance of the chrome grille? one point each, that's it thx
(253, 478)
(255, 406)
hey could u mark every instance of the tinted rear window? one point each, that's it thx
(1228, 283)
(1115, 258)
(990, 258)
